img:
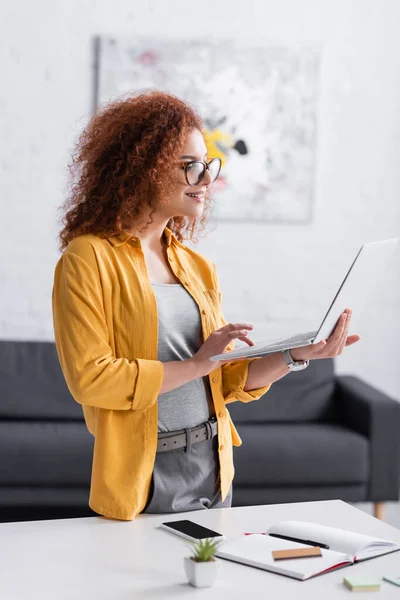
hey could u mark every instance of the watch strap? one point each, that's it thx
(293, 364)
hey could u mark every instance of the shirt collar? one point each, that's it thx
(121, 238)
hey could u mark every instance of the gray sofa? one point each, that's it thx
(45, 448)
(313, 436)
(318, 436)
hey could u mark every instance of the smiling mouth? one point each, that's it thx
(199, 196)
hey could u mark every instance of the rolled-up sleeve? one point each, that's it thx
(234, 374)
(93, 375)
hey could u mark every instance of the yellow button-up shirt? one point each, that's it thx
(106, 333)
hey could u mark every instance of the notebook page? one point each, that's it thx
(256, 550)
(376, 549)
(339, 540)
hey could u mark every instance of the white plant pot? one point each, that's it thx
(201, 574)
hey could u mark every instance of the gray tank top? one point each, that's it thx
(179, 338)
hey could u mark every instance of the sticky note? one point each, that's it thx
(393, 579)
(362, 584)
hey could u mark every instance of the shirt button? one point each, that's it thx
(221, 414)
(204, 312)
(221, 447)
(187, 283)
(215, 379)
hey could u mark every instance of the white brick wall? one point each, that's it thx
(270, 274)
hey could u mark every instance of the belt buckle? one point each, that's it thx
(213, 423)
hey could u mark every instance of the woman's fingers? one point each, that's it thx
(235, 331)
(334, 340)
(352, 339)
(232, 327)
(246, 339)
(344, 335)
(337, 348)
(333, 345)
(241, 334)
(238, 330)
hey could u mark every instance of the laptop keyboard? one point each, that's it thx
(298, 338)
(271, 345)
(282, 342)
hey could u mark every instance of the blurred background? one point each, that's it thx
(305, 92)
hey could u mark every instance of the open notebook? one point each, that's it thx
(345, 548)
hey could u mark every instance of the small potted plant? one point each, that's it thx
(202, 567)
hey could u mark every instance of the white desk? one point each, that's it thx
(99, 559)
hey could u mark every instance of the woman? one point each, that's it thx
(137, 314)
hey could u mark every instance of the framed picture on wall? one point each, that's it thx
(259, 108)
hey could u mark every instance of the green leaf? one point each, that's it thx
(204, 550)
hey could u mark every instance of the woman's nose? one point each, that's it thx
(206, 178)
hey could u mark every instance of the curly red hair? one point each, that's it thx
(121, 166)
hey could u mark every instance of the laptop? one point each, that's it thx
(359, 282)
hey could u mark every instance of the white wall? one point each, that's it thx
(270, 274)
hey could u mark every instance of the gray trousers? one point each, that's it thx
(184, 481)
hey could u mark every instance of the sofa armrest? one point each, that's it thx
(363, 408)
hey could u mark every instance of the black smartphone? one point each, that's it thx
(191, 531)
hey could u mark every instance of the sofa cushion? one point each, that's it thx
(45, 454)
(301, 454)
(32, 385)
(300, 396)
(248, 496)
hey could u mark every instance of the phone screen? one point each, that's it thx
(193, 529)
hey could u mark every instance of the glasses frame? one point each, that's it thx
(206, 166)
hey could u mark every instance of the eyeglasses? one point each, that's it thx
(196, 169)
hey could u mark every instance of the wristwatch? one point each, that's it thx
(292, 364)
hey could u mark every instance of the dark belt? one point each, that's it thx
(186, 438)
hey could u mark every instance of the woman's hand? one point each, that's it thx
(216, 343)
(331, 347)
